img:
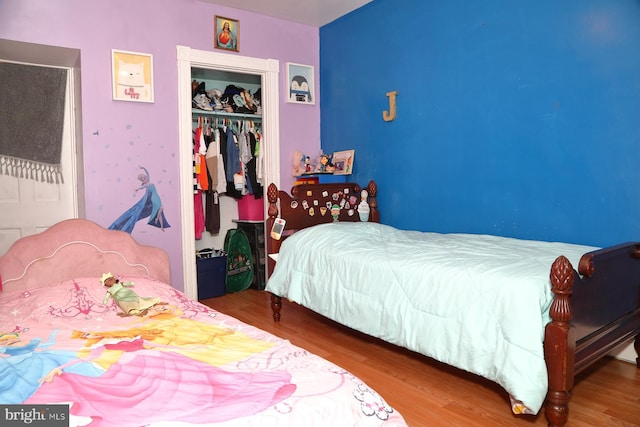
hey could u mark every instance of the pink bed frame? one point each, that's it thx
(77, 248)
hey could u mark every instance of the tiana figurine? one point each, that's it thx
(125, 298)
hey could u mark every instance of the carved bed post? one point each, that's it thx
(635, 253)
(372, 189)
(560, 344)
(276, 306)
(273, 246)
(272, 214)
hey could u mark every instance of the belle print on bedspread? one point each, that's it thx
(197, 340)
(150, 206)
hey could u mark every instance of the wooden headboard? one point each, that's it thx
(308, 205)
(76, 248)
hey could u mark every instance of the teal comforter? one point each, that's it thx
(476, 302)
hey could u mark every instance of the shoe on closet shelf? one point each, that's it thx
(194, 87)
(237, 99)
(248, 101)
(215, 95)
(227, 103)
(241, 106)
(202, 102)
(257, 100)
(200, 88)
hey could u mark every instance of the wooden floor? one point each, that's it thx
(428, 393)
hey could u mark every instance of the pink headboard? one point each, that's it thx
(77, 248)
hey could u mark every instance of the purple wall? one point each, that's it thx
(119, 136)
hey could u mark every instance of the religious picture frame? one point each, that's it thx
(300, 84)
(226, 34)
(343, 162)
(132, 76)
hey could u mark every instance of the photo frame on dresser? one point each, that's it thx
(343, 162)
(132, 76)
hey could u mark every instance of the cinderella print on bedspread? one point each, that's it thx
(25, 364)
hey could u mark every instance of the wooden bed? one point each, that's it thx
(63, 344)
(595, 308)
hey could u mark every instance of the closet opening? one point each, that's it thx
(218, 70)
(229, 181)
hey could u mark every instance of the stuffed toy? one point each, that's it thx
(298, 160)
(307, 164)
(125, 298)
(325, 164)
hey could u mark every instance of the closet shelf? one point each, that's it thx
(197, 111)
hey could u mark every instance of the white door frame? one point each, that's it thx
(268, 69)
(71, 191)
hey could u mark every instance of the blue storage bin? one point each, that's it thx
(212, 272)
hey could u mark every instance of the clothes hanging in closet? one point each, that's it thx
(217, 180)
(226, 160)
(199, 183)
(247, 145)
(231, 159)
(252, 167)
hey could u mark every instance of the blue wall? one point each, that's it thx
(513, 118)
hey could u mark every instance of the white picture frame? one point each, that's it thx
(132, 76)
(343, 162)
(300, 84)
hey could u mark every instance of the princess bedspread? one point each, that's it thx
(179, 364)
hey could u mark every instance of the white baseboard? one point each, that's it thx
(626, 353)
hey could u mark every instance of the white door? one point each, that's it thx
(28, 206)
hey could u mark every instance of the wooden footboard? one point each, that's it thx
(592, 313)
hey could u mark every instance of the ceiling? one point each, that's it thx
(310, 12)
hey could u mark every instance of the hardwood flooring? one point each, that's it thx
(426, 392)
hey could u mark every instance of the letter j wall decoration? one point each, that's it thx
(132, 76)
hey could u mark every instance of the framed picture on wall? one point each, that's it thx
(343, 162)
(300, 84)
(227, 34)
(132, 76)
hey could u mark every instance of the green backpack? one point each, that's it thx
(239, 261)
